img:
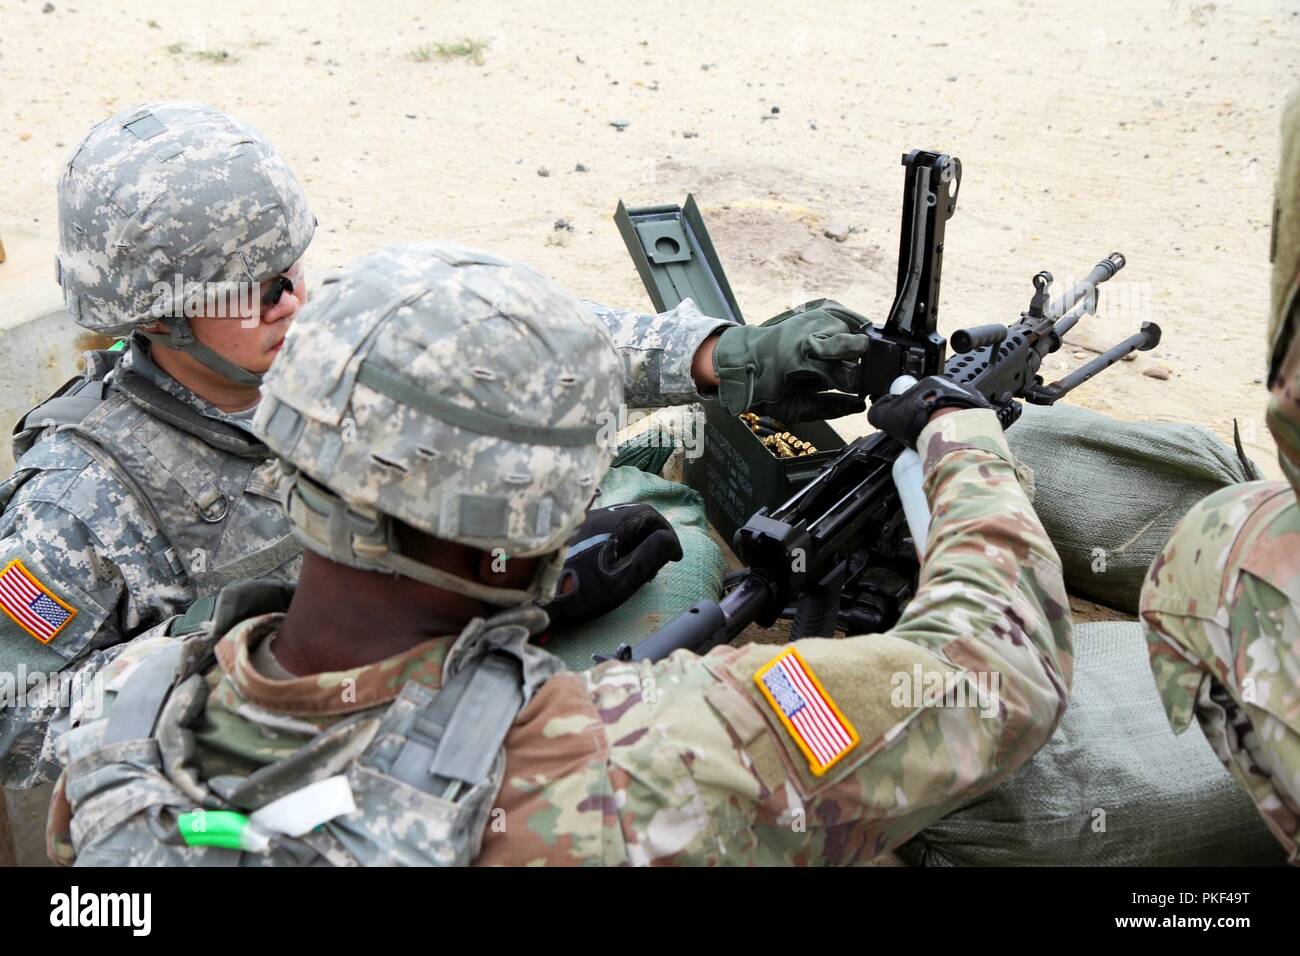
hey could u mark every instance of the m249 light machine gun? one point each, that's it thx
(840, 550)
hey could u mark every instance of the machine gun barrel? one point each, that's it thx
(1087, 288)
(1068, 322)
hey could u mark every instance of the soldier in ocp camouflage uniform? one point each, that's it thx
(397, 712)
(141, 489)
(1222, 601)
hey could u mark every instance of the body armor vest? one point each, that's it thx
(207, 486)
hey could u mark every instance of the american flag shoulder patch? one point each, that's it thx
(822, 732)
(34, 607)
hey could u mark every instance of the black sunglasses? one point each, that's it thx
(274, 288)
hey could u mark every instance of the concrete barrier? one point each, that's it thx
(40, 347)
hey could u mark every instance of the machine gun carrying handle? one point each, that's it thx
(967, 340)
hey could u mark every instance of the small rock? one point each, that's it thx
(689, 134)
(1080, 355)
(153, 25)
(543, 171)
(1156, 371)
(619, 124)
(48, 8)
(812, 124)
(563, 225)
(838, 231)
(1258, 380)
(24, 136)
(580, 168)
(410, 116)
(812, 255)
(1131, 357)
(775, 110)
(952, 78)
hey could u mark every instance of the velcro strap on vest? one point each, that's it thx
(256, 565)
(136, 709)
(457, 739)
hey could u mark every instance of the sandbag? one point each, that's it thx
(1113, 785)
(678, 585)
(1109, 491)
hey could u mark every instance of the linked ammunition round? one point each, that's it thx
(777, 439)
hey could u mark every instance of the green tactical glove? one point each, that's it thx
(784, 367)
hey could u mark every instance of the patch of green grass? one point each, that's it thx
(211, 55)
(467, 49)
(215, 56)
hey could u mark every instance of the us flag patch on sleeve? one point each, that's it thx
(33, 606)
(807, 711)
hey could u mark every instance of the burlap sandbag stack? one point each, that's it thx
(1109, 492)
(1112, 787)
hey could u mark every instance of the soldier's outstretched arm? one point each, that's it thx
(658, 351)
(838, 750)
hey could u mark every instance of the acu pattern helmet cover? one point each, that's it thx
(452, 390)
(172, 189)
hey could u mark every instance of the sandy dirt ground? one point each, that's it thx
(1145, 127)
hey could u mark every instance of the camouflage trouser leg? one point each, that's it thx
(1222, 609)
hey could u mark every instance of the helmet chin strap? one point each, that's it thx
(182, 339)
(326, 524)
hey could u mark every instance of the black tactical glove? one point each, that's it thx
(903, 416)
(784, 367)
(616, 550)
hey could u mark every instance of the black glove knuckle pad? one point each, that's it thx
(616, 551)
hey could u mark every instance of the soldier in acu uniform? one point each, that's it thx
(1222, 601)
(394, 707)
(138, 486)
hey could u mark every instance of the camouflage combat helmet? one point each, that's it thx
(1285, 312)
(169, 194)
(449, 389)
